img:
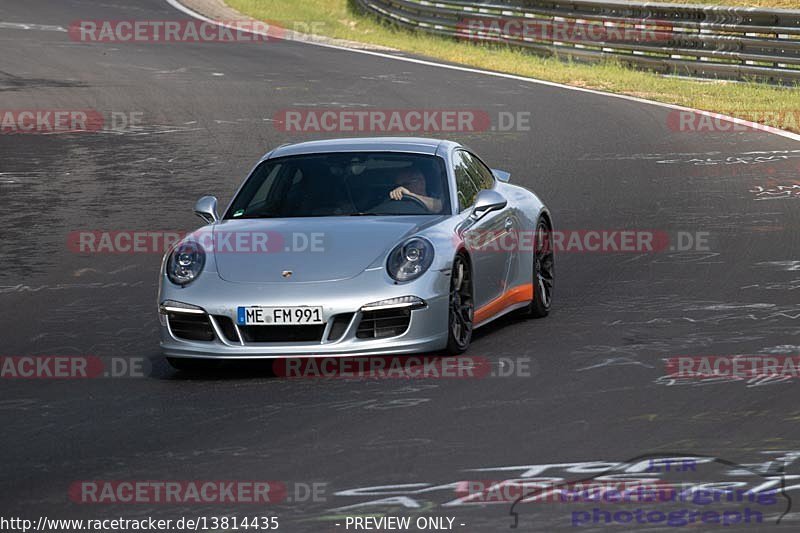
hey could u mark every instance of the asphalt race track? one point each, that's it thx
(596, 391)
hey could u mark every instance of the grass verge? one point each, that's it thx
(338, 19)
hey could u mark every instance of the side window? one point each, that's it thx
(480, 171)
(467, 187)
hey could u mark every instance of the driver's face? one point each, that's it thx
(414, 182)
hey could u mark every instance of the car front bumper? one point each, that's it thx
(219, 300)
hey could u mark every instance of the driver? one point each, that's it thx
(411, 182)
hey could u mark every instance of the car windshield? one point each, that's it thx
(344, 184)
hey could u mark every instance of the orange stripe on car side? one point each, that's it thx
(522, 293)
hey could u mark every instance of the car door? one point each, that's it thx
(486, 238)
(508, 236)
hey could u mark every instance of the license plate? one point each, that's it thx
(278, 316)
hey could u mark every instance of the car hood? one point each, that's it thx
(312, 249)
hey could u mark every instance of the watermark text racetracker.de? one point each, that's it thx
(55, 121)
(159, 242)
(193, 31)
(399, 121)
(403, 367)
(47, 367)
(210, 492)
(587, 241)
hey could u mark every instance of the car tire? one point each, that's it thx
(543, 270)
(461, 309)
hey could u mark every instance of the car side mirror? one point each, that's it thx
(501, 175)
(487, 200)
(206, 208)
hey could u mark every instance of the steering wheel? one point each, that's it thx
(415, 200)
(406, 205)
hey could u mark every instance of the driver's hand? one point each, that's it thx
(397, 194)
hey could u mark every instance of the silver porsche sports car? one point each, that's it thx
(356, 247)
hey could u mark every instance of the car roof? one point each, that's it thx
(419, 145)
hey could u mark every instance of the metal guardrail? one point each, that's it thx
(691, 40)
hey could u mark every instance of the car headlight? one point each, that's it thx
(185, 263)
(410, 259)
